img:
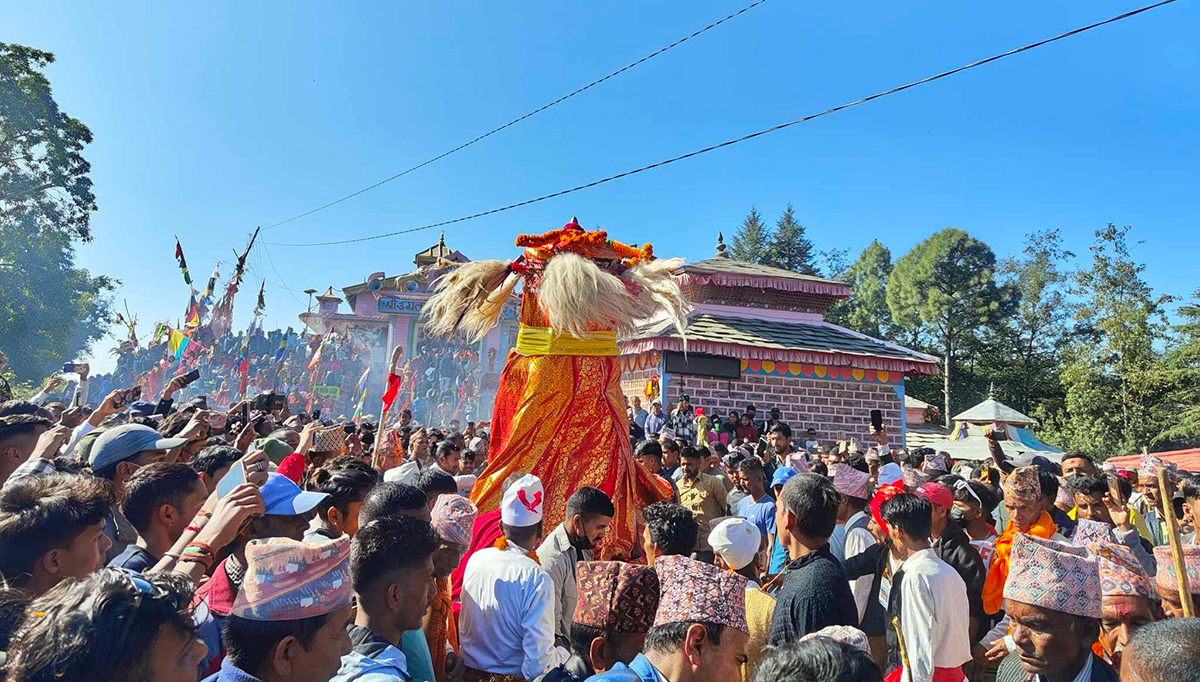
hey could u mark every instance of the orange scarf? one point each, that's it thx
(993, 587)
(501, 543)
(436, 629)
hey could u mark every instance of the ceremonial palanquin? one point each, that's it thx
(559, 412)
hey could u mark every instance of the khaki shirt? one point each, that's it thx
(706, 498)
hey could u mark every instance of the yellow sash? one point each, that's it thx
(543, 341)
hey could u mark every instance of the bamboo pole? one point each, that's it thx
(903, 649)
(397, 352)
(1181, 579)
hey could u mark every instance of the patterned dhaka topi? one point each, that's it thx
(1088, 532)
(616, 596)
(1054, 576)
(934, 461)
(851, 482)
(290, 580)
(1121, 574)
(1166, 568)
(453, 517)
(845, 634)
(695, 592)
(1022, 484)
(1149, 465)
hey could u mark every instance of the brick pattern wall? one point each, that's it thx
(838, 410)
(633, 381)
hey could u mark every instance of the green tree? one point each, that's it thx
(752, 239)
(43, 176)
(50, 311)
(1022, 354)
(945, 290)
(1116, 382)
(866, 310)
(789, 248)
(1183, 372)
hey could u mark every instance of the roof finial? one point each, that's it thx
(721, 246)
(991, 390)
(442, 239)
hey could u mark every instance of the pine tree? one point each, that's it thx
(752, 240)
(789, 249)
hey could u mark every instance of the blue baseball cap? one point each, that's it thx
(282, 497)
(122, 442)
(142, 408)
(782, 475)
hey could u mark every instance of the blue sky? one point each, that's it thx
(211, 118)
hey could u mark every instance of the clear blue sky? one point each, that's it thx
(211, 118)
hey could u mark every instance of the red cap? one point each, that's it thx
(936, 493)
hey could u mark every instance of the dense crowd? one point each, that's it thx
(174, 538)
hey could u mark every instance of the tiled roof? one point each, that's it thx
(769, 339)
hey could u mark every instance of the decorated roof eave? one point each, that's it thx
(859, 361)
(731, 273)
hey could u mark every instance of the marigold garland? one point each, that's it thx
(574, 238)
(501, 544)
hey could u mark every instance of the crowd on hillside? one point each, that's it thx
(175, 538)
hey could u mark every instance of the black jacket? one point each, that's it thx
(954, 547)
(871, 561)
(576, 669)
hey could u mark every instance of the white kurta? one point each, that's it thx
(507, 621)
(934, 616)
(857, 541)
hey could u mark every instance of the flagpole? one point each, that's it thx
(397, 352)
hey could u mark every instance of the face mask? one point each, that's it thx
(957, 514)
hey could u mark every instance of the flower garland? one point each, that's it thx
(501, 544)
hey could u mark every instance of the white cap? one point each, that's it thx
(736, 541)
(890, 473)
(522, 503)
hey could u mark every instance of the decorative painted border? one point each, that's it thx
(637, 363)
(806, 371)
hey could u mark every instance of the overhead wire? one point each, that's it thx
(750, 136)
(523, 117)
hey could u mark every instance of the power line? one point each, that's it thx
(750, 136)
(517, 120)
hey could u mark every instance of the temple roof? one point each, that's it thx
(725, 271)
(795, 341)
(992, 410)
(439, 250)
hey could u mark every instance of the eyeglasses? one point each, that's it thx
(142, 588)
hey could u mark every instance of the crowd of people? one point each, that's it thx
(175, 538)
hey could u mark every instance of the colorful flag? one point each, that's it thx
(177, 343)
(358, 408)
(316, 358)
(207, 298)
(261, 306)
(191, 318)
(279, 352)
(362, 381)
(182, 263)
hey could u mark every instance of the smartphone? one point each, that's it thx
(190, 377)
(232, 479)
(68, 367)
(245, 413)
(133, 394)
(277, 401)
(877, 420)
(316, 415)
(1114, 490)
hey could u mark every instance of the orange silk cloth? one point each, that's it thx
(563, 419)
(993, 587)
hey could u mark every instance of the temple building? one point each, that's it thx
(757, 336)
(385, 312)
(966, 440)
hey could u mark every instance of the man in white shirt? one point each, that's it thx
(418, 459)
(506, 626)
(589, 511)
(855, 487)
(935, 618)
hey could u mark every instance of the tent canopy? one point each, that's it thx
(967, 443)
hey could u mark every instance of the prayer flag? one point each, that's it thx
(316, 358)
(182, 263)
(362, 381)
(177, 343)
(207, 298)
